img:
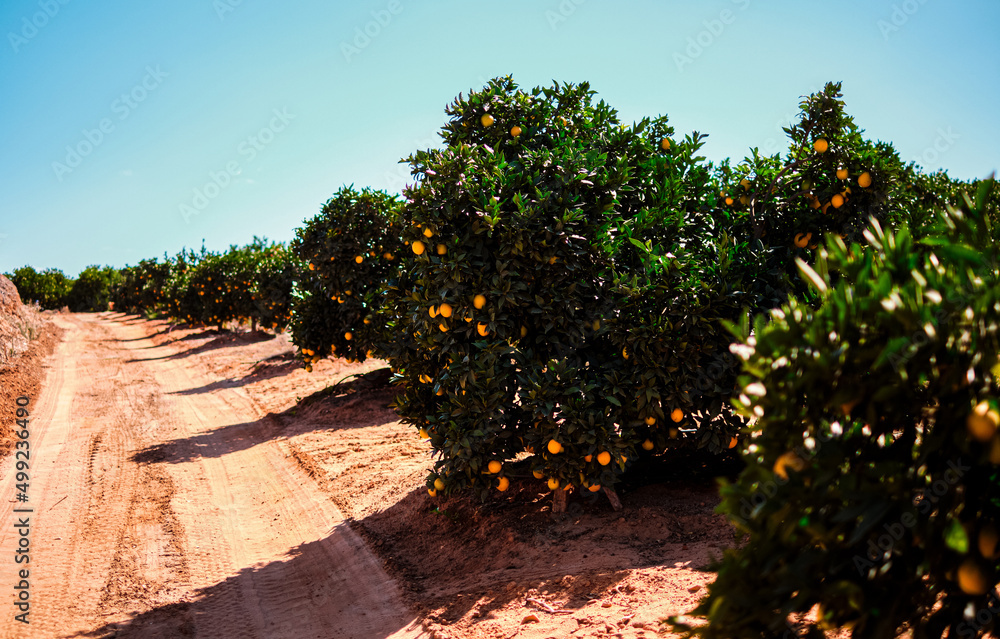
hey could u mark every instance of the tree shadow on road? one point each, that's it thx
(358, 403)
(274, 366)
(312, 592)
(223, 340)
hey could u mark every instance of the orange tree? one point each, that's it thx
(873, 480)
(143, 287)
(530, 233)
(248, 284)
(349, 253)
(275, 271)
(92, 289)
(831, 181)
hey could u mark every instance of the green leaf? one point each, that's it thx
(956, 538)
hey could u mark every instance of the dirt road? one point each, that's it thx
(157, 510)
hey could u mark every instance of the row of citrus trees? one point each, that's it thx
(553, 292)
(249, 285)
(557, 293)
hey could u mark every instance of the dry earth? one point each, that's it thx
(186, 483)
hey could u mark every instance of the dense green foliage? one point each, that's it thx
(872, 479)
(351, 251)
(50, 288)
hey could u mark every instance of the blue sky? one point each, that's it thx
(266, 108)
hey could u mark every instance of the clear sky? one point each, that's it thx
(115, 115)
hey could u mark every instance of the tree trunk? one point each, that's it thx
(616, 504)
(559, 501)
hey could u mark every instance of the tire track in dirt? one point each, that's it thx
(85, 492)
(162, 512)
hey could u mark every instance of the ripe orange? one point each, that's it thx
(482, 330)
(515, 130)
(443, 327)
(650, 420)
(553, 483)
(837, 201)
(524, 331)
(821, 145)
(432, 311)
(982, 422)
(312, 267)
(441, 249)
(503, 484)
(989, 540)
(733, 442)
(424, 434)
(359, 259)
(677, 415)
(445, 310)
(865, 180)
(841, 174)
(972, 578)
(802, 239)
(494, 466)
(554, 447)
(665, 144)
(745, 183)
(786, 461)
(348, 336)
(537, 473)
(588, 458)
(438, 484)
(418, 247)
(487, 119)
(428, 232)
(594, 488)
(432, 492)
(387, 256)
(625, 353)
(479, 301)
(729, 201)
(647, 445)
(604, 458)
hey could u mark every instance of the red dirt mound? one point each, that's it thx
(10, 300)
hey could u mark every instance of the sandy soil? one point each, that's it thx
(187, 483)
